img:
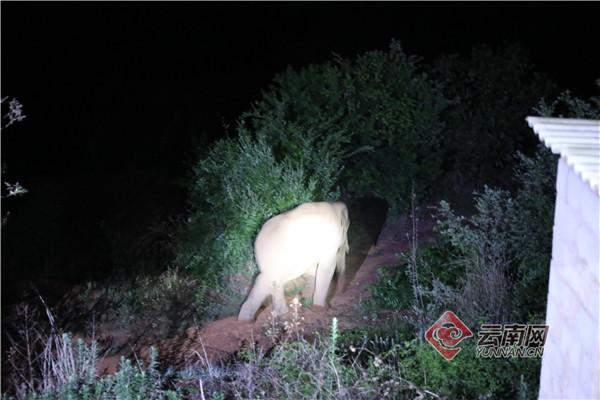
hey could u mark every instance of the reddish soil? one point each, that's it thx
(222, 338)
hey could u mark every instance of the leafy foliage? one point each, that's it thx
(498, 260)
(568, 106)
(415, 361)
(391, 291)
(486, 250)
(503, 249)
(378, 113)
(532, 228)
(489, 267)
(467, 376)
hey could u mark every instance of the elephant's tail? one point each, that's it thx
(340, 262)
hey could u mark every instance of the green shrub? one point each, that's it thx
(467, 376)
(486, 250)
(534, 206)
(489, 267)
(418, 290)
(302, 115)
(441, 261)
(493, 266)
(128, 383)
(236, 188)
(532, 228)
(391, 291)
(377, 113)
(506, 245)
(502, 253)
(399, 108)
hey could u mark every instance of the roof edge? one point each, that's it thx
(579, 146)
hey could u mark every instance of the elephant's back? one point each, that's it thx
(298, 237)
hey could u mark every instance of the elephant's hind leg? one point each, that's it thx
(260, 290)
(310, 278)
(279, 305)
(325, 271)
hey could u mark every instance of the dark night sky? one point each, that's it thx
(114, 92)
(108, 85)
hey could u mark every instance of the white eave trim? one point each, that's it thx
(577, 141)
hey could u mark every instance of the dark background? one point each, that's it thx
(118, 97)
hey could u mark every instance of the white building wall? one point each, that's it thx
(571, 362)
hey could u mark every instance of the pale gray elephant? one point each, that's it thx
(311, 239)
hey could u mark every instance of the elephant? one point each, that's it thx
(310, 240)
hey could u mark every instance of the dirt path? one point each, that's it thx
(219, 339)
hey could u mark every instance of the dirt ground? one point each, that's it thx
(220, 339)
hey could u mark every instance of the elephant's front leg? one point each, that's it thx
(278, 296)
(325, 271)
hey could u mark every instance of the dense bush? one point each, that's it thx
(491, 267)
(378, 113)
(393, 289)
(468, 376)
(236, 188)
(505, 247)
(486, 250)
(492, 90)
(531, 229)
(499, 256)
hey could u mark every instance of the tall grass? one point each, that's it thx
(297, 367)
(48, 364)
